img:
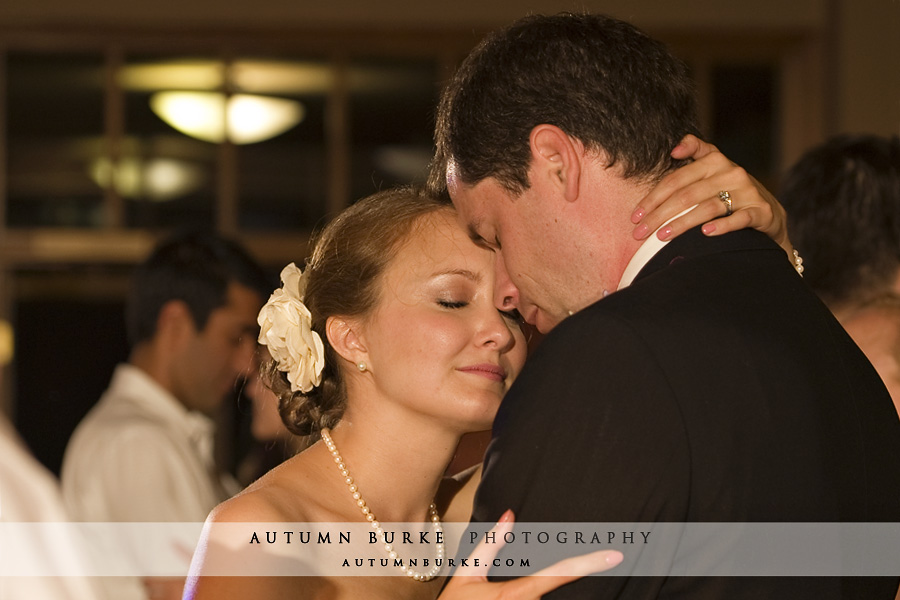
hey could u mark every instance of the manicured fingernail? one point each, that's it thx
(637, 215)
(665, 233)
(614, 558)
(708, 228)
(506, 516)
(641, 231)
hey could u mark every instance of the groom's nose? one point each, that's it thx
(506, 295)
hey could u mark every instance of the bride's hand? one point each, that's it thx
(471, 583)
(700, 182)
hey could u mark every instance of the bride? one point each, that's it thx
(389, 347)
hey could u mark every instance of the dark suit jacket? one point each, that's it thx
(716, 388)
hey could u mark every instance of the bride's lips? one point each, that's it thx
(488, 370)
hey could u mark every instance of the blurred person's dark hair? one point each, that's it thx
(843, 205)
(195, 267)
(599, 79)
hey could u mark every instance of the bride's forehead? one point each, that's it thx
(441, 241)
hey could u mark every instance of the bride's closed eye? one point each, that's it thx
(452, 303)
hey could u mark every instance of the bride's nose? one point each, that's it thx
(495, 330)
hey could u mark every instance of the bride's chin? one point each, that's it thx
(479, 422)
(475, 414)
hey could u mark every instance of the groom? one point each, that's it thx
(710, 385)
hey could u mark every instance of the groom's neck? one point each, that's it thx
(613, 230)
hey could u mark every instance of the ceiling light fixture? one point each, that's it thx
(239, 118)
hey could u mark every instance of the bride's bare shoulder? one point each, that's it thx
(281, 495)
(289, 493)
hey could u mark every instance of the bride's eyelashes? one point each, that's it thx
(512, 315)
(452, 303)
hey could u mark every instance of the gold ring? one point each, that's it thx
(725, 197)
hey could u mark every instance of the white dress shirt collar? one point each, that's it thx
(133, 383)
(647, 250)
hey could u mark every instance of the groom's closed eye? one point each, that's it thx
(483, 243)
(479, 240)
(513, 315)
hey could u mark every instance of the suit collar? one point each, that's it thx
(694, 244)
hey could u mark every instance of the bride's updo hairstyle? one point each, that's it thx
(349, 256)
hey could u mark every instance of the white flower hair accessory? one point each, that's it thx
(286, 329)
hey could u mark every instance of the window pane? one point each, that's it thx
(392, 106)
(55, 128)
(166, 176)
(70, 333)
(282, 178)
(744, 116)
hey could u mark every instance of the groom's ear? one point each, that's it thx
(345, 336)
(556, 156)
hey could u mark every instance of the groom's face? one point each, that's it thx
(533, 269)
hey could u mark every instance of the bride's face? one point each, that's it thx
(436, 344)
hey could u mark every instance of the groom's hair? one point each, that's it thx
(192, 266)
(599, 79)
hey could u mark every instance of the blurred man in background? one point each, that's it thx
(145, 451)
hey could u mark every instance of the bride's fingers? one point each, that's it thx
(685, 187)
(699, 185)
(691, 146)
(753, 206)
(474, 574)
(711, 213)
(561, 573)
(479, 560)
(470, 582)
(749, 210)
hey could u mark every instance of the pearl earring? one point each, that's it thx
(361, 366)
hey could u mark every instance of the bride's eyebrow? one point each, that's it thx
(470, 275)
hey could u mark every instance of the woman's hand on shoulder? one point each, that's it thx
(471, 583)
(700, 183)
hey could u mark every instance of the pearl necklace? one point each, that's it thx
(376, 525)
